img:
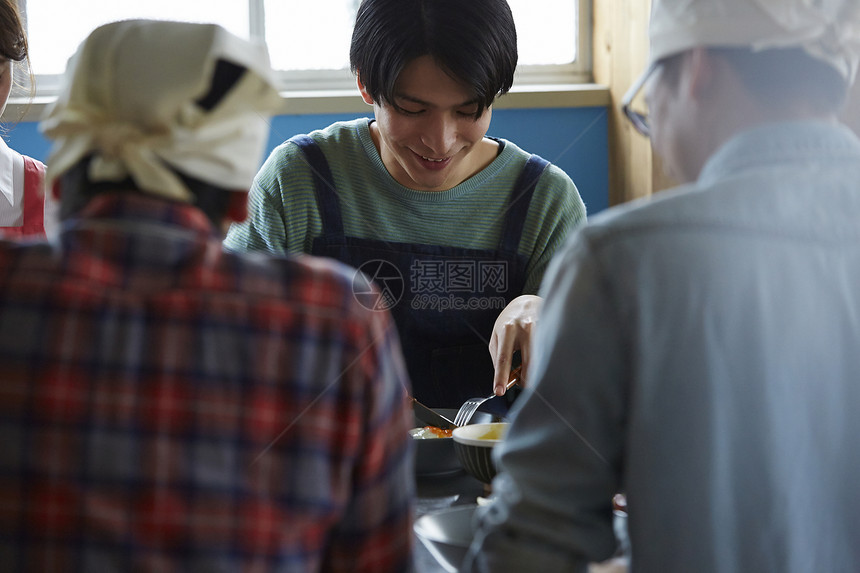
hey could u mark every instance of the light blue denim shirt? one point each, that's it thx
(699, 351)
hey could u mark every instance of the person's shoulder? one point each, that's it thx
(516, 157)
(340, 134)
(35, 163)
(512, 153)
(629, 227)
(555, 181)
(318, 283)
(664, 210)
(27, 257)
(337, 137)
(338, 131)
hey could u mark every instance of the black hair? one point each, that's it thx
(78, 190)
(14, 47)
(474, 41)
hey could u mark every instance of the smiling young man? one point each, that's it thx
(455, 227)
(431, 137)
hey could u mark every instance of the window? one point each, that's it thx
(308, 41)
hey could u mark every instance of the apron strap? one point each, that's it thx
(34, 196)
(520, 200)
(329, 207)
(33, 204)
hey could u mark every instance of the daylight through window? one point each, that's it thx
(308, 41)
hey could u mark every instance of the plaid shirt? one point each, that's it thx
(168, 406)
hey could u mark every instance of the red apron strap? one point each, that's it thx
(34, 202)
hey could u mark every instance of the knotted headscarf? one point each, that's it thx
(143, 97)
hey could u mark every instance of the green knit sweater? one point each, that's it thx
(283, 216)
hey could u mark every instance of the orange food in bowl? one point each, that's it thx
(429, 432)
(439, 431)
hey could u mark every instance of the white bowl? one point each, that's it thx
(475, 449)
(447, 534)
(477, 434)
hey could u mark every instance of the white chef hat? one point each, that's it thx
(146, 97)
(828, 30)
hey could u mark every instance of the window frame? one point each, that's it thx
(334, 91)
(577, 72)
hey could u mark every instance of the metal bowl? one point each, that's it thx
(446, 534)
(474, 448)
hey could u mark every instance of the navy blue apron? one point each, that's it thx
(444, 300)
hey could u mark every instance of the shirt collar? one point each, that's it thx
(130, 206)
(780, 143)
(132, 233)
(6, 171)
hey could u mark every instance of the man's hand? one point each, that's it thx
(512, 332)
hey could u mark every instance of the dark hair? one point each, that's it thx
(784, 76)
(475, 41)
(78, 190)
(13, 41)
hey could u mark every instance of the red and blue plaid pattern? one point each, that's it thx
(168, 406)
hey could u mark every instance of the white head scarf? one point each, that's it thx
(826, 29)
(134, 98)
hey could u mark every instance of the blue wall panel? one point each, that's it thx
(575, 139)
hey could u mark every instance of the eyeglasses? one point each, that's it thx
(639, 119)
